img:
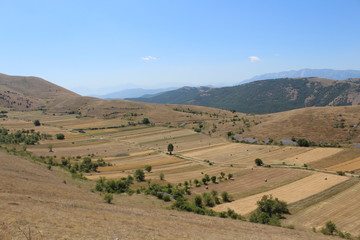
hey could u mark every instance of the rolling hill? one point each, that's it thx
(267, 96)
(28, 93)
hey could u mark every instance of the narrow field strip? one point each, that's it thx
(313, 155)
(289, 193)
(346, 166)
(129, 166)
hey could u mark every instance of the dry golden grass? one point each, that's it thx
(136, 165)
(346, 166)
(342, 209)
(315, 154)
(339, 158)
(36, 199)
(289, 193)
(315, 123)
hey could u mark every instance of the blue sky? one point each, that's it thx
(104, 46)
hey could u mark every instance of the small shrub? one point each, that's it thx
(148, 168)
(108, 197)
(37, 123)
(329, 229)
(166, 198)
(225, 197)
(162, 176)
(198, 201)
(259, 162)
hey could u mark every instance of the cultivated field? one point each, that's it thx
(342, 209)
(289, 193)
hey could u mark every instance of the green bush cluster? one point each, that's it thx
(165, 192)
(269, 211)
(113, 186)
(28, 137)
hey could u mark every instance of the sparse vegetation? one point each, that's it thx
(108, 197)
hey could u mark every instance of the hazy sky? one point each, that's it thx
(104, 46)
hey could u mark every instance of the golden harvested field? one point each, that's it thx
(339, 158)
(289, 193)
(181, 144)
(313, 155)
(241, 154)
(158, 136)
(346, 166)
(99, 148)
(128, 165)
(249, 182)
(342, 209)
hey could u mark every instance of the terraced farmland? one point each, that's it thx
(128, 148)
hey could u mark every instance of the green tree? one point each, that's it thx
(50, 147)
(213, 179)
(60, 136)
(230, 175)
(204, 180)
(302, 142)
(269, 211)
(162, 176)
(139, 175)
(37, 123)
(259, 162)
(148, 168)
(197, 183)
(170, 148)
(145, 121)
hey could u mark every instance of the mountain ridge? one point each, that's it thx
(308, 72)
(267, 96)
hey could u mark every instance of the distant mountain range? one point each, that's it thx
(303, 73)
(133, 93)
(267, 96)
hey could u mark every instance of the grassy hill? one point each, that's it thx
(267, 96)
(27, 93)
